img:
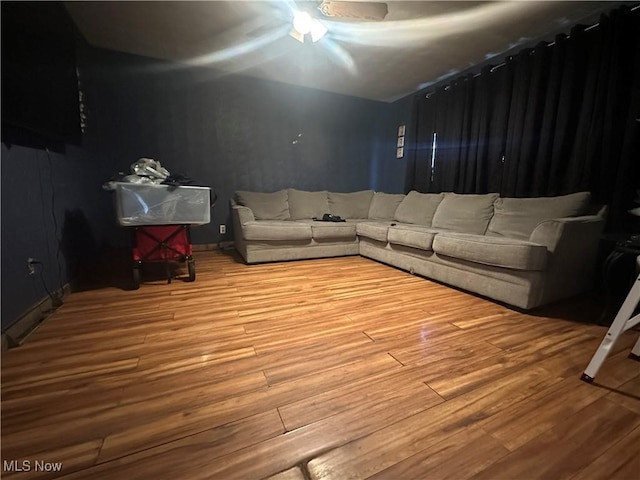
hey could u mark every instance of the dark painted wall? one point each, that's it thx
(232, 132)
(52, 210)
(389, 172)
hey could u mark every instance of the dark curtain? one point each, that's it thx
(469, 119)
(553, 120)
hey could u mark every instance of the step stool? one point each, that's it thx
(625, 320)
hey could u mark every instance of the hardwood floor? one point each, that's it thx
(321, 369)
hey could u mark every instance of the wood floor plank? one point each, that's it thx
(399, 441)
(61, 460)
(76, 324)
(334, 327)
(540, 412)
(190, 456)
(441, 351)
(452, 378)
(416, 325)
(14, 383)
(628, 395)
(31, 369)
(619, 461)
(329, 368)
(332, 357)
(298, 445)
(205, 353)
(356, 394)
(563, 450)
(130, 417)
(76, 344)
(292, 474)
(188, 421)
(457, 457)
(35, 411)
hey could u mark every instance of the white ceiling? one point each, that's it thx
(417, 44)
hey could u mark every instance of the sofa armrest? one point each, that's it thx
(573, 248)
(240, 216)
(243, 214)
(572, 230)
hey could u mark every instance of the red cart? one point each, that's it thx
(162, 243)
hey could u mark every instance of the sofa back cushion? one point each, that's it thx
(465, 213)
(303, 204)
(350, 205)
(384, 206)
(265, 206)
(518, 217)
(418, 208)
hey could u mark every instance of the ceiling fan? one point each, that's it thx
(372, 11)
(305, 22)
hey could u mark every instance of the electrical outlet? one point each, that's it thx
(223, 229)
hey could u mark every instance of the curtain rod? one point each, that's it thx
(493, 69)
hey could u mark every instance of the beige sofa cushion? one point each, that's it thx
(331, 230)
(350, 205)
(274, 230)
(418, 208)
(374, 230)
(384, 205)
(464, 213)
(416, 236)
(265, 206)
(518, 217)
(303, 204)
(496, 251)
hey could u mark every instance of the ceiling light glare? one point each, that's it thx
(317, 31)
(302, 22)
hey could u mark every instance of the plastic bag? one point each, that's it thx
(148, 167)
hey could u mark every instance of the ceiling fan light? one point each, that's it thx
(302, 22)
(317, 31)
(297, 35)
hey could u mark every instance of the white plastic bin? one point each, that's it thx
(148, 204)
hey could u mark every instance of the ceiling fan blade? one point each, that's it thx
(266, 28)
(354, 10)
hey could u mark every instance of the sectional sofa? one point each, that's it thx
(524, 252)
